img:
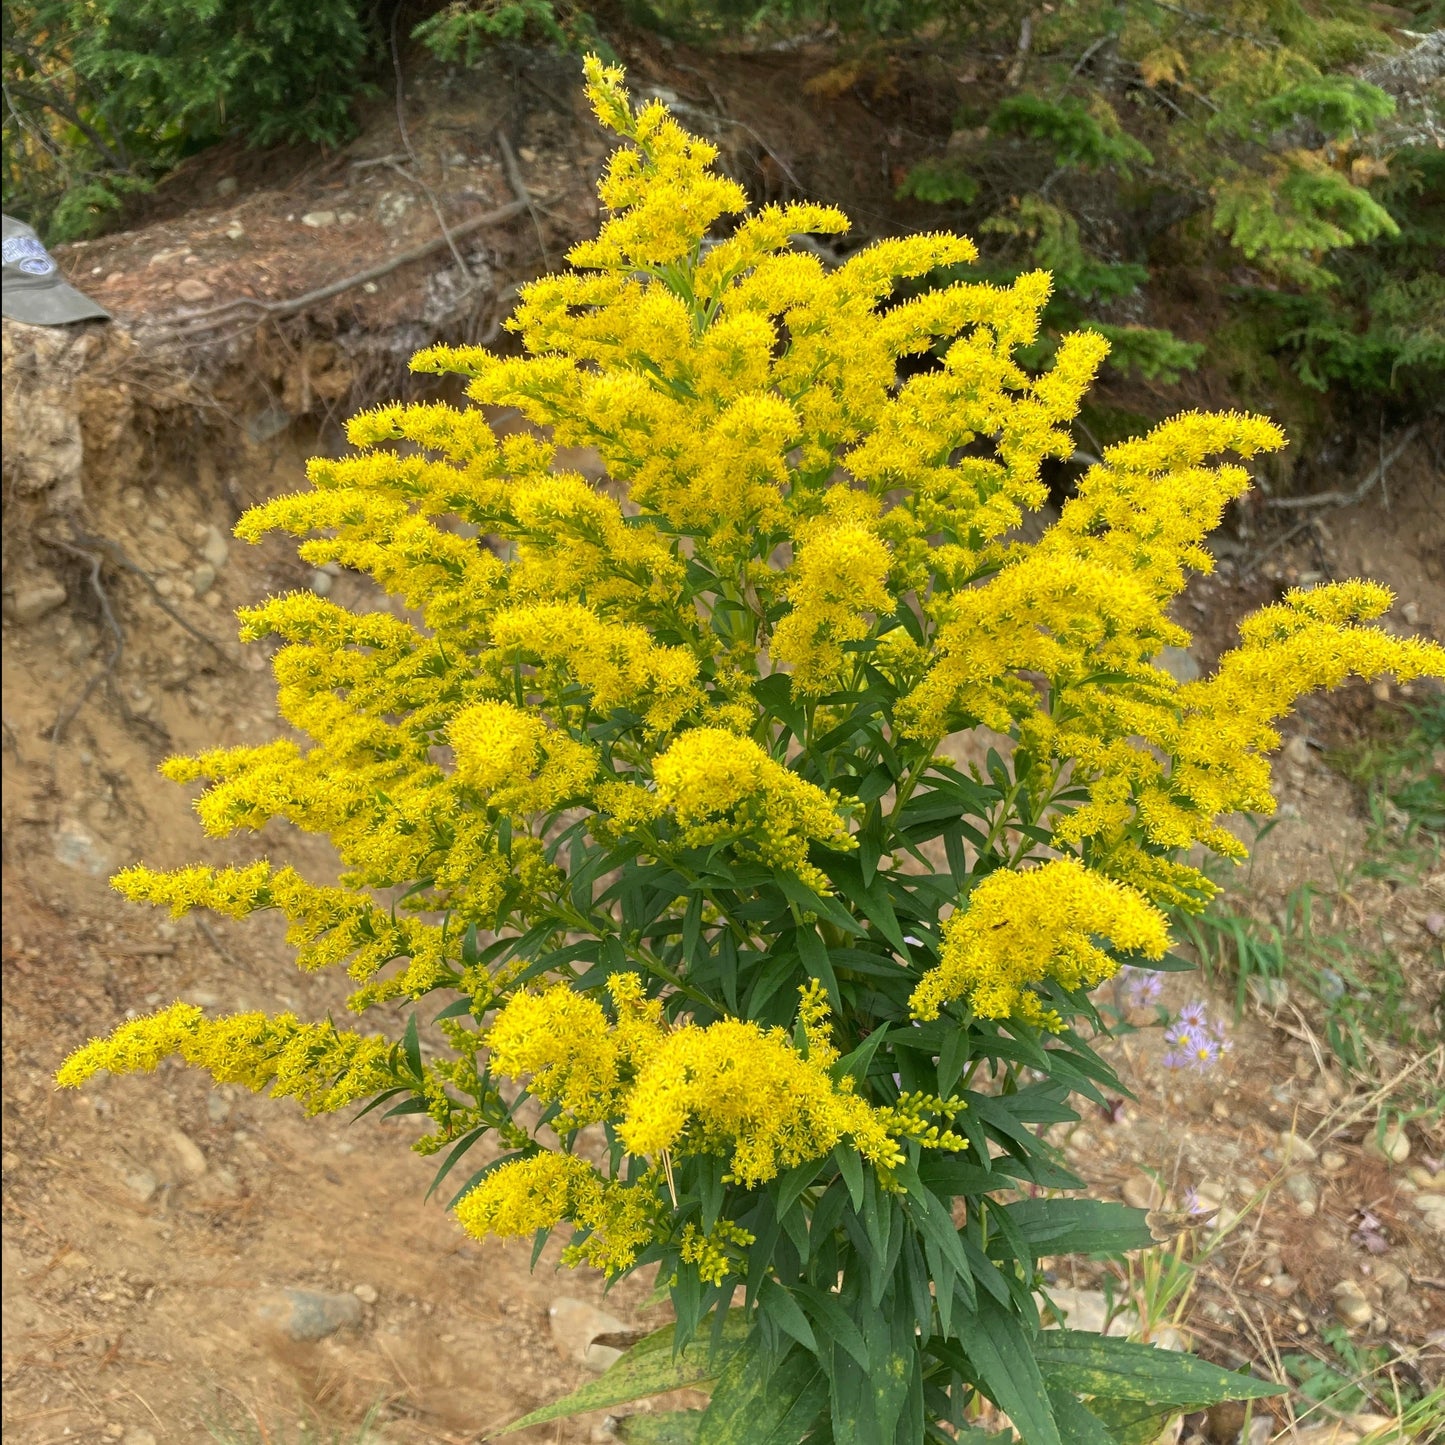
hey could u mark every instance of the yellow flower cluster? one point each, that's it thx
(1022, 928)
(544, 1190)
(722, 786)
(730, 1088)
(322, 1067)
(710, 1251)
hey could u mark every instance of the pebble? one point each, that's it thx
(1283, 1285)
(187, 1152)
(1179, 663)
(366, 1293)
(215, 548)
(321, 582)
(203, 579)
(1350, 1304)
(77, 848)
(1392, 1280)
(1296, 1150)
(1332, 1161)
(1297, 750)
(576, 1324)
(1305, 1193)
(1392, 1148)
(1272, 993)
(1142, 1192)
(218, 1107)
(136, 1436)
(142, 1183)
(308, 1315)
(1411, 613)
(317, 219)
(30, 604)
(193, 290)
(226, 186)
(1087, 1309)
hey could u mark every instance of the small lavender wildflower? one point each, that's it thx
(1192, 1202)
(1194, 1042)
(1141, 986)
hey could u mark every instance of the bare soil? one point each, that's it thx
(147, 1220)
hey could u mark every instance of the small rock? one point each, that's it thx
(321, 582)
(192, 290)
(235, 231)
(1270, 993)
(76, 1262)
(187, 1152)
(216, 549)
(142, 1183)
(1296, 1150)
(527, 154)
(218, 1107)
(1411, 613)
(136, 1436)
(1305, 1193)
(1435, 923)
(576, 1324)
(226, 186)
(203, 579)
(317, 219)
(1179, 663)
(366, 1293)
(114, 1430)
(218, 1187)
(1087, 1309)
(1332, 1161)
(1381, 691)
(77, 848)
(1392, 1147)
(32, 603)
(1297, 750)
(1142, 1192)
(308, 1315)
(1392, 1280)
(1351, 1306)
(1283, 1285)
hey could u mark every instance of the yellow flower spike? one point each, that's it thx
(324, 1068)
(1020, 928)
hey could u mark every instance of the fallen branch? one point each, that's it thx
(1348, 499)
(106, 672)
(290, 306)
(519, 189)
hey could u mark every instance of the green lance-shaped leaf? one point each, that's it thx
(649, 1368)
(754, 1404)
(672, 1427)
(1113, 1369)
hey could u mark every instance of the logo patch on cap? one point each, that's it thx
(28, 255)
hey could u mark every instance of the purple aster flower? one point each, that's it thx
(1191, 1047)
(1141, 986)
(1194, 1014)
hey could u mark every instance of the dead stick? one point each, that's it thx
(324, 293)
(1346, 499)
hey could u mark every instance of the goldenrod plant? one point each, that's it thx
(655, 815)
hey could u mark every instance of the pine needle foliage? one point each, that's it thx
(657, 817)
